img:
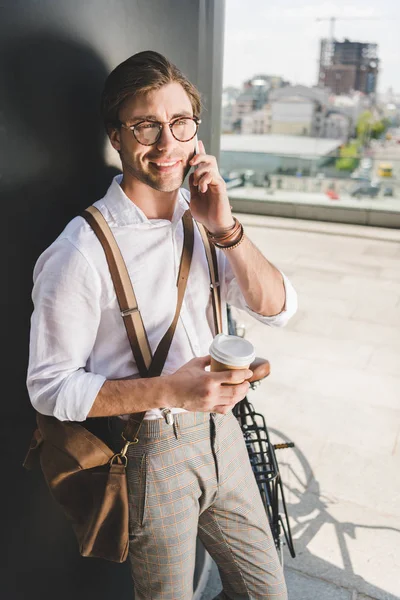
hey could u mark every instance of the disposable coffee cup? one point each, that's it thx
(230, 352)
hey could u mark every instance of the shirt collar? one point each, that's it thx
(125, 212)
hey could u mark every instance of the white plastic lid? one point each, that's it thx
(232, 350)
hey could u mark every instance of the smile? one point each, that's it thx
(166, 166)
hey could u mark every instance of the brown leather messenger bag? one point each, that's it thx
(84, 475)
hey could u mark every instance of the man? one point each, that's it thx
(192, 477)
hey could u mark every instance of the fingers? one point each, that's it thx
(234, 392)
(230, 396)
(204, 181)
(202, 157)
(222, 409)
(206, 172)
(232, 377)
(200, 184)
(202, 361)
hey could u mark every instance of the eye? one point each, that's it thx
(181, 122)
(146, 125)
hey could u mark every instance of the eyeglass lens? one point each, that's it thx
(182, 129)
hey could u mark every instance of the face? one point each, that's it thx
(164, 165)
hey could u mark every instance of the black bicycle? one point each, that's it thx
(262, 455)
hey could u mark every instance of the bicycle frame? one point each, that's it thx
(264, 463)
(265, 468)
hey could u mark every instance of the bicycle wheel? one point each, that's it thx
(265, 468)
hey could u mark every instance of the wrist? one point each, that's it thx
(221, 231)
(230, 239)
(168, 392)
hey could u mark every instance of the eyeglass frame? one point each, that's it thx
(161, 124)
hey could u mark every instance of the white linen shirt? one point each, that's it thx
(78, 339)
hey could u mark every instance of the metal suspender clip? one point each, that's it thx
(128, 311)
(168, 416)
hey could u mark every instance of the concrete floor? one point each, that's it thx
(334, 390)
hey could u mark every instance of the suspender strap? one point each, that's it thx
(214, 279)
(123, 288)
(163, 347)
(147, 366)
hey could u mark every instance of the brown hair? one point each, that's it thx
(139, 74)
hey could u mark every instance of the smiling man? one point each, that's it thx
(189, 474)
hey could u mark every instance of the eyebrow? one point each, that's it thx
(182, 113)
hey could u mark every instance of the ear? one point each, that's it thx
(114, 135)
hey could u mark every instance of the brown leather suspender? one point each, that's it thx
(214, 278)
(148, 365)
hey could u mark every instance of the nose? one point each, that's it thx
(166, 140)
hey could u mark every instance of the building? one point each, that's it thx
(348, 66)
(294, 116)
(245, 104)
(298, 110)
(229, 97)
(251, 99)
(258, 121)
(269, 154)
(337, 126)
(351, 106)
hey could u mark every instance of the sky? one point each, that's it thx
(282, 38)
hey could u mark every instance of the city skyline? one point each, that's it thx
(285, 41)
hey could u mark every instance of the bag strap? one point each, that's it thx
(149, 366)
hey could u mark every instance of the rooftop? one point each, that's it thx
(283, 145)
(334, 391)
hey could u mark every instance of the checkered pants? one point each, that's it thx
(194, 478)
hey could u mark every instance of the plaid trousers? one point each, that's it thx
(194, 478)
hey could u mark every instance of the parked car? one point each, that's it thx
(365, 188)
(385, 170)
(388, 191)
(332, 194)
(366, 163)
(360, 174)
(233, 179)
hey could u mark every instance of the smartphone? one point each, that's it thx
(196, 150)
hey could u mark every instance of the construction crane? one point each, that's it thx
(334, 19)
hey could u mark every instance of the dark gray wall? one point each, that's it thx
(54, 57)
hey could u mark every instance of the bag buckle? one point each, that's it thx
(122, 455)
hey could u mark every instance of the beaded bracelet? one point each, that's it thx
(234, 245)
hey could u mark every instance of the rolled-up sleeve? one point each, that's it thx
(235, 297)
(64, 323)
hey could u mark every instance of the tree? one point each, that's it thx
(348, 156)
(369, 127)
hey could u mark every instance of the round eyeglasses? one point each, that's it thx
(149, 132)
